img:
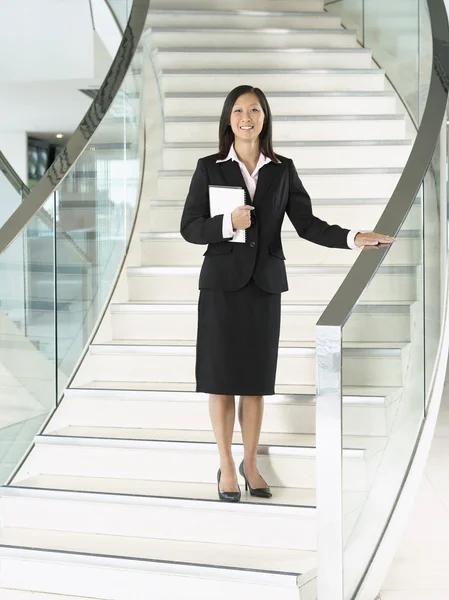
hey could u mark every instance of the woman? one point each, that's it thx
(241, 283)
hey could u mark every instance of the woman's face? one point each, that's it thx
(247, 118)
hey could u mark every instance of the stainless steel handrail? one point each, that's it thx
(8, 171)
(21, 188)
(85, 130)
(330, 325)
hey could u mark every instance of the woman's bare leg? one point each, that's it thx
(250, 418)
(222, 415)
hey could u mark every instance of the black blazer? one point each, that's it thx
(230, 266)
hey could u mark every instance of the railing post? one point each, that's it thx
(329, 465)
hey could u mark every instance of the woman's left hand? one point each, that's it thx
(373, 240)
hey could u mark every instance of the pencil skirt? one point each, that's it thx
(237, 341)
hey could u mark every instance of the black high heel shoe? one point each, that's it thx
(227, 496)
(259, 492)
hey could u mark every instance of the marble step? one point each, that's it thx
(253, 58)
(194, 104)
(10, 594)
(292, 128)
(273, 80)
(119, 568)
(319, 183)
(366, 411)
(240, 19)
(365, 364)
(284, 460)
(174, 322)
(288, 5)
(306, 284)
(170, 249)
(353, 213)
(168, 37)
(140, 510)
(286, 103)
(327, 154)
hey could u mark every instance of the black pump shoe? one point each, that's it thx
(227, 496)
(259, 492)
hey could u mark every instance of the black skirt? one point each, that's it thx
(237, 343)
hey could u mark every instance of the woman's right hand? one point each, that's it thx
(241, 217)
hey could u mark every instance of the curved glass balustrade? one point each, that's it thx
(399, 293)
(59, 270)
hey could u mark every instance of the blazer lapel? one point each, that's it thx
(267, 176)
(233, 176)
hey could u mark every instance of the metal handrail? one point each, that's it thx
(14, 179)
(68, 156)
(330, 325)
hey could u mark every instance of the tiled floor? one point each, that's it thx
(420, 570)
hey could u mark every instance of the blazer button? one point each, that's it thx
(252, 244)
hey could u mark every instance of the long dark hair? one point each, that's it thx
(226, 135)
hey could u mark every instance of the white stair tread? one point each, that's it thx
(8, 594)
(313, 305)
(288, 440)
(307, 390)
(164, 489)
(247, 12)
(258, 559)
(282, 344)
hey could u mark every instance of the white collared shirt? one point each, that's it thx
(251, 184)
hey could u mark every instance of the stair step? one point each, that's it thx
(185, 519)
(170, 249)
(290, 5)
(121, 567)
(364, 415)
(251, 58)
(188, 456)
(274, 80)
(306, 284)
(168, 37)
(188, 104)
(165, 490)
(321, 183)
(354, 213)
(170, 322)
(364, 365)
(10, 594)
(328, 154)
(138, 387)
(289, 128)
(241, 19)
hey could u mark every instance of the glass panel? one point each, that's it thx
(384, 391)
(56, 277)
(392, 32)
(351, 13)
(27, 340)
(434, 275)
(95, 206)
(121, 10)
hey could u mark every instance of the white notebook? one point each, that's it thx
(224, 199)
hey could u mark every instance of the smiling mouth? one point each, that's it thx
(247, 127)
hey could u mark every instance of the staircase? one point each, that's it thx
(117, 500)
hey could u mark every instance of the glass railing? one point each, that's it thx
(62, 248)
(392, 300)
(400, 39)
